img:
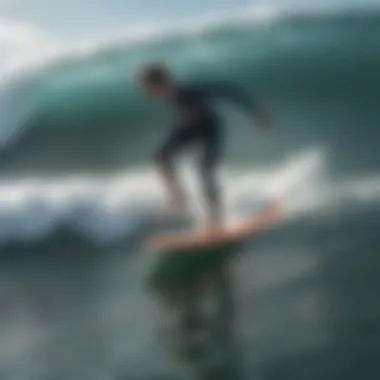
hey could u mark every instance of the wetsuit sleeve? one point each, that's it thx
(230, 92)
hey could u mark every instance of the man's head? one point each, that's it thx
(156, 80)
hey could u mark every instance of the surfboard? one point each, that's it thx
(201, 239)
(180, 258)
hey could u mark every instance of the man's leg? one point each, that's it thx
(212, 191)
(178, 139)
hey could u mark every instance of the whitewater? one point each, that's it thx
(107, 210)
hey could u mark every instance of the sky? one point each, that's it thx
(73, 18)
(31, 29)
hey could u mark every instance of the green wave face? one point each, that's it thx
(88, 113)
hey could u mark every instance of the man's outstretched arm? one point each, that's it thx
(238, 96)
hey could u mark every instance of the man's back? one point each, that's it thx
(196, 98)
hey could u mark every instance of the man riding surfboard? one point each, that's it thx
(196, 122)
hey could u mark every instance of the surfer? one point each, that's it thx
(195, 122)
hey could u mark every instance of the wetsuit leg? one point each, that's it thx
(209, 163)
(208, 134)
(176, 141)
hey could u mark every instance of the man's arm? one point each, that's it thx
(238, 96)
(230, 92)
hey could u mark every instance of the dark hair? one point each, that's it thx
(155, 74)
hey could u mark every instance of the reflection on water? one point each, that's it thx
(305, 307)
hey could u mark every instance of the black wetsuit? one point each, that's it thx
(198, 123)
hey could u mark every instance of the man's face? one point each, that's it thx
(157, 91)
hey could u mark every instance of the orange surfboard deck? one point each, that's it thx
(208, 238)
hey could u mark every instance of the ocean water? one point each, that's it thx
(78, 193)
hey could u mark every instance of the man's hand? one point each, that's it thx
(263, 118)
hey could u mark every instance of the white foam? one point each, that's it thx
(23, 46)
(106, 210)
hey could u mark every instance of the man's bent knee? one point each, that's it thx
(163, 161)
(161, 158)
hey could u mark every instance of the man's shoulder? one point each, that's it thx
(189, 85)
(190, 89)
(198, 87)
